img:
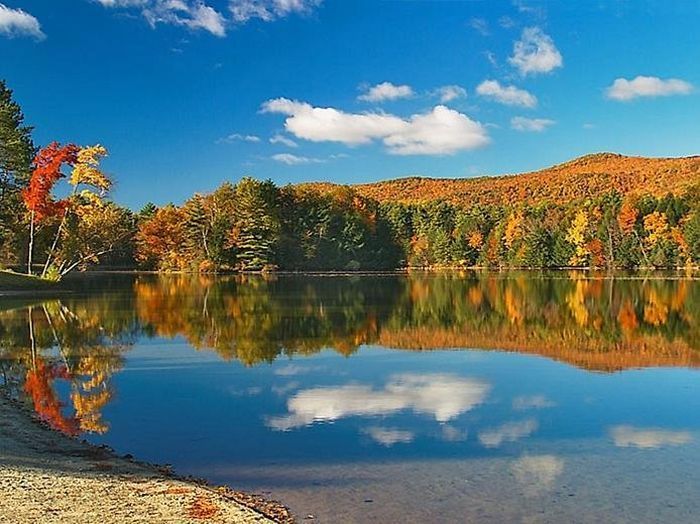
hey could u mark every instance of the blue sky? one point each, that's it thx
(187, 94)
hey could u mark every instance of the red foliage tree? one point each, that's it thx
(47, 171)
(37, 196)
(47, 406)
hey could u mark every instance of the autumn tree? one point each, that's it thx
(38, 197)
(160, 240)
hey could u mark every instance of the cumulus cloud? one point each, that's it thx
(193, 14)
(648, 438)
(237, 137)
(646, 86)
(508, 95)
(268, 10)
(449, 93)
(386, 91)
(509, 432)
(281, 139)
(389, 436)
(532, 402)
(441, 131)
(16, 23)
(537, 473)
(537, 125)
(535, 52)
(443, 396)
(295, 160)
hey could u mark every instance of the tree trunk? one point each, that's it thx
(31, 245)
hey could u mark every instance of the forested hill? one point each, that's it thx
(588, 176)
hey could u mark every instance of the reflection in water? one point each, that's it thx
(648, 438)
(50, 343)
(389, 436)
(508, 432)
(442, 396)
(524, 402)
(472, 435)
(595, 323)
(537, 474)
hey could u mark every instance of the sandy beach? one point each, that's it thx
(47, 477)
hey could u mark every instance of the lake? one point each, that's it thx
(455, 397)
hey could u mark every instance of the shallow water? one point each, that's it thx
(423, 398)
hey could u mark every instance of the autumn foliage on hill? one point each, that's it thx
(589, 176)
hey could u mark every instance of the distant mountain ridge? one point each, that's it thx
(588, 176)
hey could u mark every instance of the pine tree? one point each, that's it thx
(16, 153)
(256, 230)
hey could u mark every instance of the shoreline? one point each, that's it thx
(46, 476)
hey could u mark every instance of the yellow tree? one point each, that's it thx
(576, 235)
(89, 186)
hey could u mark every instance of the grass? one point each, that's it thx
(11, 281)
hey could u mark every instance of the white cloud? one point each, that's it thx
(480, 25)
(15, 22)
(508, 95)
(443, 396)
(535, 52)
(650, 86)
(449, 93)
(193, 14)
(236, 137)
(389, 436)
(648, 438)
(268, 10)
(532, 402)
(509, 432)
(295, 160)
(285, 141)
(386, 91)
(520, 123)
(537, 473)
(207, 18)
(441, 131)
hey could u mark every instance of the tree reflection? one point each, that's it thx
(587, 320)
(42, 346)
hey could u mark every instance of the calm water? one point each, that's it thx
(424, 398)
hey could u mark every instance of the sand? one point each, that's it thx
(47, 477)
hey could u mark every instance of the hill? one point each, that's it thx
(584, 177)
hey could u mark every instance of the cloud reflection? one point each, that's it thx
(509, 432)
(648, 438)
(389, 436)
(537, 473)
(443, 396)
(532, 402)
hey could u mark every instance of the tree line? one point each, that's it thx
(255, 225)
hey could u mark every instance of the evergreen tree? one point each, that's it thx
(256, 231)
(16, 154)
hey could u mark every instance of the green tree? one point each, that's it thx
(16, 153)
(256, 230)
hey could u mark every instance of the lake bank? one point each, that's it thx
(46, 476)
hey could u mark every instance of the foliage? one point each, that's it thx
(16, 153)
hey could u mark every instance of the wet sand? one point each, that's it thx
(47, 477)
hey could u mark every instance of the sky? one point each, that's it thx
(187, 94)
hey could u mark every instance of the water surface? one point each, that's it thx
(543, 397)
